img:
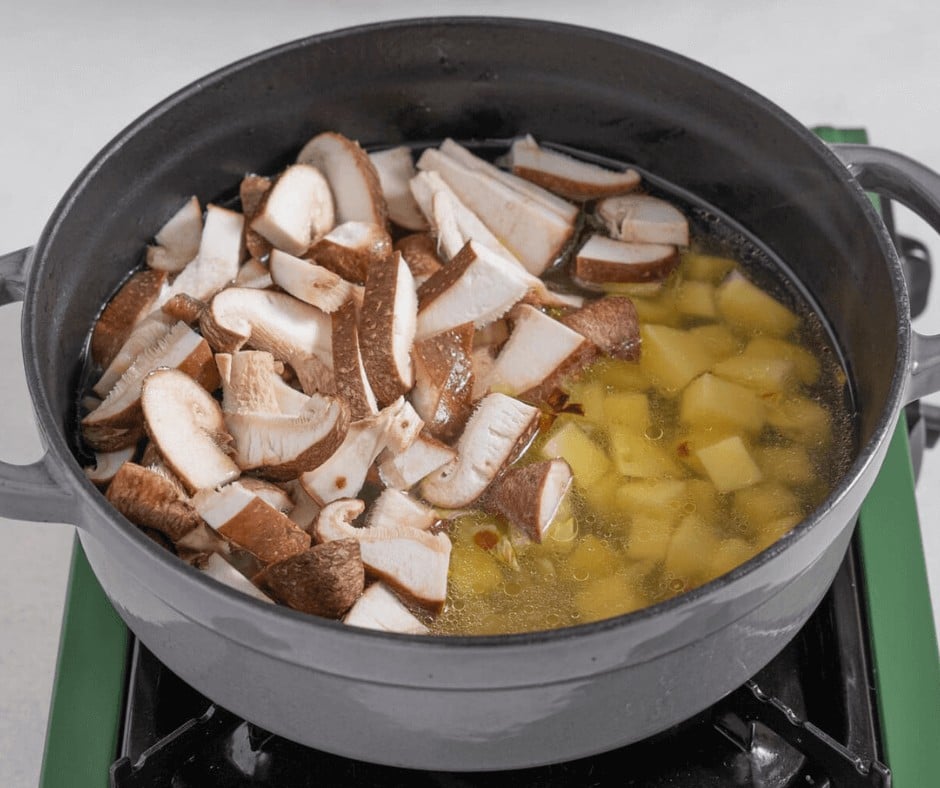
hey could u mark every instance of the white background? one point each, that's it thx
(73, 74)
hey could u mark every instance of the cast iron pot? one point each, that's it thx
(484, 702)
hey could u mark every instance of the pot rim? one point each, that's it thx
(73, 477)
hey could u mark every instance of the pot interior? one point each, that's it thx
(425, 80)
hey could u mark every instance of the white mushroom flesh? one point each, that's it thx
(297, 210)
(644, 219)
(313, 284)
(178, 239)
(396, 168)
(378, 608)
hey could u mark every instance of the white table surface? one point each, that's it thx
(74, 74)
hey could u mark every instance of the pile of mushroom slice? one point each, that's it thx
(298, 397)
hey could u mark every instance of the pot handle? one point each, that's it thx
(28, 492)
(918, 187)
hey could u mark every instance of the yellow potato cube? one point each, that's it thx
(607, 597)
(764, 375)
(636, 455)
(590, 396)
(660, 309)
(633, 289)
(701, 499)
(696, 299)
(710, 401)
(788, 464)
(746, 306)
(602, 495)
(689, 441)
(588, 461)
(705, 267)
(730, 554)
(801, 419)
(672, 357)
(629, 408)
(805, 364)
(473, 571)
(729, 465)
(690, 550)
(765, 502)
(617, 375)
(649, 537)
(593, 559)
(768, 533)
(717, 339)
(664, 497)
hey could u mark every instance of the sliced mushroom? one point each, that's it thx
(403, 470)
(204, 541)
(290, 330)
(116, 423)
(349, 374)
(216, 263)
(644, 219)
(146, 334)
(387, 323)
(564, 175)
(443, 392)
(305, 510)
(251, 193)
(603, 260)
(529, 496)
(475, 287)
(183, 307)
(151, 500)
(497, 433)
(378, 608)
(107, 465)
(178, 239)
(394, 507)
(297, 210)
(395, 169)
(255, 274)
(564, 209)
(281, 446)
(186, 425)
(344, 473)
(219, 569)
(325, 580)
(248, 382)
(313, 284)
(131, 304)
(357, 190)
(404, 426)
(536, 234)
(612, 324)
(539, 354)
(351, 248)
(240, 515)
(270, 493)
(483, 359)
(420, 252)
(414, 563)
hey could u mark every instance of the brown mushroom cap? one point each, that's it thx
(420, 252)
(351, 248)
(133, 302)
(529, 496)
(251, 192)
(606, 260)
(443, 392)
(349, 374)
(387, 323)
(183, 307)
(186, 425)
(611, 323)
(325, 580)
(151, 500)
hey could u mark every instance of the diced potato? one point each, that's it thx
(473, 571)
(702, 499)
(717, 339)
(672, 357)
(588, 461)
(805, 364)
(633, 289)
(689, 549)
(765, 502)
(649, 537)
(801, 419)
(705, 267)
(602, 495)
(628, 408)
(660, 310)
(788, 464)
(710, 401)
(590, 396)
(768, 533)
(729, 465)
(730, 554)
(696, 299)
(689, 441)
(664, 497)
(764, 375)
(746, 306)
(610, 596)
(636, 455)
(593, 559)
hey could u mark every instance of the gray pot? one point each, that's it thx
(484, 702)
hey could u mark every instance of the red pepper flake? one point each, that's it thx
(683, 449)
(486, 539)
